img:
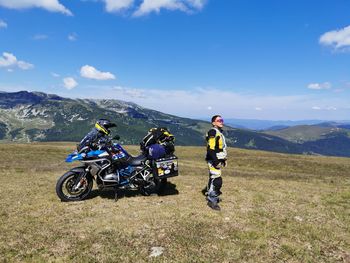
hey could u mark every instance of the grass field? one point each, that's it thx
(276, 208)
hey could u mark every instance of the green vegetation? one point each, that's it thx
(303, 133)
(276, 208)
(3, 130)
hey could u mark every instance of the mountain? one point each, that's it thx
(35, 116)
(327, 138)
(306, 133)
(343, 125)
(303, 133)
(266, 124)
(278, 127)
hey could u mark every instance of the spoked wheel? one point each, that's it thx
(70, 187)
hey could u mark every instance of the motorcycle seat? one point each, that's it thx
(138, 160)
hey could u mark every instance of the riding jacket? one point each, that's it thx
(216, 146)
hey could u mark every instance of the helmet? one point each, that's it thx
(103, 125)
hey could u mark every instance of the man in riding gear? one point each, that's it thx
(216, 158)
(98, 135)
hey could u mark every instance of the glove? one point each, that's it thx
(224, 163)
(216, 164)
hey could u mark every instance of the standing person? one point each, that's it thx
(216, 158)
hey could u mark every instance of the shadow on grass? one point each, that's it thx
(204, 191)
(168, 189)
(109, 193)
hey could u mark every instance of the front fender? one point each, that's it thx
(81, 169)
(78, 169)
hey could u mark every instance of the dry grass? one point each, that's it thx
(276, 208)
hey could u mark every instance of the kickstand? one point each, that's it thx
(115, 194)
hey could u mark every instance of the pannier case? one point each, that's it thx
(166, 167)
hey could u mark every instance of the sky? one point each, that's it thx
(247, 59)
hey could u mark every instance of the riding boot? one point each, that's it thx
(214, 192)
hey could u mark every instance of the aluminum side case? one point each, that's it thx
(166, 167)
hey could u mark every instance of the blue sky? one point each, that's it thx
(256, 59)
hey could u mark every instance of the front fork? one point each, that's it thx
(81, 181)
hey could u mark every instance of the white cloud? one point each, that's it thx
(144, 7)
(40, 37)
(24, 65)
(210, 108)
(319, 86)
(55, 75)
(8, 60)
(3, 24)
(92, 73)
(130, 92)
(69, 83)
(258, 109)
(72, 37)
(198, 4)
(337, 38)
(118, 5)
(149, 6)
(50, 5)
(328, 108)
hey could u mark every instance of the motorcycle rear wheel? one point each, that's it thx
(153, 187)
(65, 187)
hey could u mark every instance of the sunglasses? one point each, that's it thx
(220, 120)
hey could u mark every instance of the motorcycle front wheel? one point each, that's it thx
(67, 190)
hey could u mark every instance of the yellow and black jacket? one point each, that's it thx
(216, 146)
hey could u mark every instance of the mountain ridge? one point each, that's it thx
(261, 125)
(36, 116)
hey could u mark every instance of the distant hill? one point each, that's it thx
(35, 116)
(329, 138)
(343, 125)
(278, 127)
(303, 133)
(259, 125)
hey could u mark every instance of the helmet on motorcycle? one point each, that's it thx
(103, 125)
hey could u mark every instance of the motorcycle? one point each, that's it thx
(111, 166)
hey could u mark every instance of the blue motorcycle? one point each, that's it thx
(113, 167)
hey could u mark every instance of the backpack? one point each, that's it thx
(160, 136)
